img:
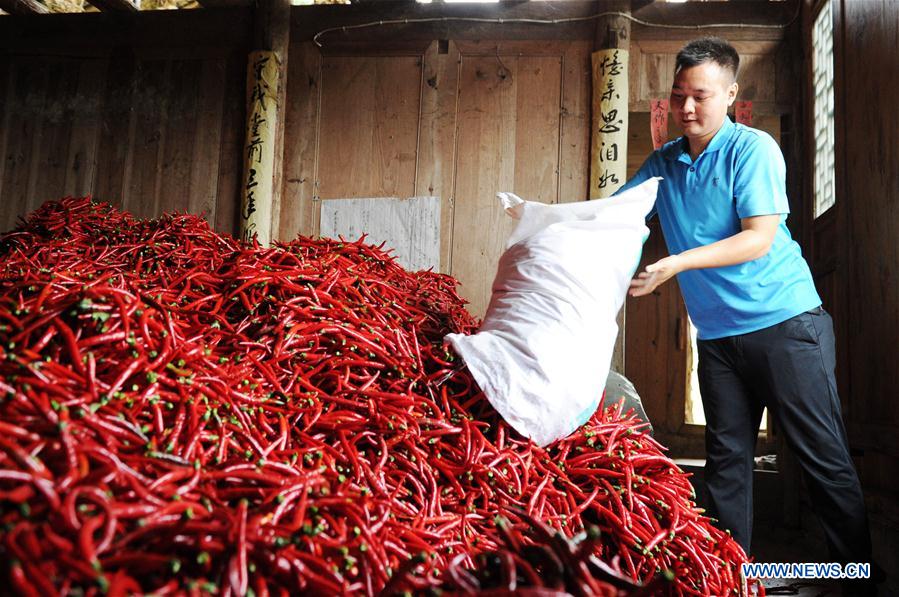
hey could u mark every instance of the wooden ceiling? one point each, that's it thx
(32, 7)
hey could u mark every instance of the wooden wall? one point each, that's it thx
(461, 124)
(93, 106)
(865, 103)
(856, 252)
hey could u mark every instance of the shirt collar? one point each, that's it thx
(681, 146)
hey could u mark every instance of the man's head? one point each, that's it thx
(705, 85)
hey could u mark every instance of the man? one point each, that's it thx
(763, 338)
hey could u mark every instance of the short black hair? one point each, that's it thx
(708, 49)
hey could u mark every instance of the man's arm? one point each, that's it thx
(752, 242)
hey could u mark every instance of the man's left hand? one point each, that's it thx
(655, 275)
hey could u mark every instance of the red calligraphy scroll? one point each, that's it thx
(743, 112)
(658, 121)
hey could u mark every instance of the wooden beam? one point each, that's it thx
(707, 13)
(225, 3)
(613, 31)
(186, 32)
(691, 19)
(310, 20)
(23, 7)
(117, 5)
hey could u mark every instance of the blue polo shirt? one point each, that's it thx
(740, 174)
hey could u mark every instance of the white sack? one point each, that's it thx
(543, 351)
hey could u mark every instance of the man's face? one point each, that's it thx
(700, 97)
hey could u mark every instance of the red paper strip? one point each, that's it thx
(743, 112)
(658, 121)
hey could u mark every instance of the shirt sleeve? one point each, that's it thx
(760, 180)
(645, 172)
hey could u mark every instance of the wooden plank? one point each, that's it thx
(95, 34)
(29, 85)
(757, 77)
(511, 47)
(316, 19)
(301, 133)
(842, 295)
(217, 4)
(113, 163)
(363, 46)
(789, 72)
(178, 125)
(652, 73)
(485, 164)
(739, 13)
(436, 168)
(507, 139)
(6, 97)
(639, 140)
(673, 46)
(84, 143)
(655, 337)
(116, 5)
(574, 160)
(147, 139)
(311, 20)
(655, 75)
(231, 151)
(538, 121)
(872, 205)
(23, 7)
(278, 182)
(207, 139)
(48, 170)
(369, 131)
(878, 436)
(40, 122)
(690, 18)
(655, 347)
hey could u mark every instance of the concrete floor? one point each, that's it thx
(777, 540)
(780, 543)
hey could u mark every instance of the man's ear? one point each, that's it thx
(732, 93)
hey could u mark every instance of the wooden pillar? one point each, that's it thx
(608, 155)
(264, 142)
(608, 139)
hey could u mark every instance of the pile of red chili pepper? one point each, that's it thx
(536, 559)
(181, 412)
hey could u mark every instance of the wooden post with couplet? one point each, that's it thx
(608, 148)
(264, 143)
(608, 136)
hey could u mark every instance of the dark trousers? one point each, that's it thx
(788, 367)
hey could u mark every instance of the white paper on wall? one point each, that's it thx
(411, 227)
